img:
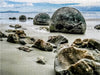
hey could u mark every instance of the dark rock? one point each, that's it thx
(26, 49)
(97, 27)
(41, 60)
(18, 26)
(13, 38)
(68, 20)
(30, 18)
(2, 35)
(12, 18)
(45, 46)
(21, 33)
(22, 18)
(41, 19)
(11, 26)
(30, 40)
(22, 42)
(9, 30)
(57, 39)
(77, 61)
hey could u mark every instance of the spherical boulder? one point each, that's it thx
(22, 18)
(41, 19)
(68, 20)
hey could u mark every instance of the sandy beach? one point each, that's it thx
(16, 62)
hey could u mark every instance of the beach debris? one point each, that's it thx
(22, 18)
(16, 26)
(87, 43)
(77, 61)
(13, 38)
(68, 20)
(26, 49)
(97, 27)
(59, 39)
(2, 35)
(41, 19)
(21, 41)
(20, 33)
(42, 45)
(41, 60)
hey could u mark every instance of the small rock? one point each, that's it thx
(1, 39)
(22, 42)
(26, 49)
(57, 39)
(45, 46)
(13, 38)
(9, 30)
(41, 60)
(44, 28)
(18, 26)
(21, 33)
(2, 35)
(97, 27)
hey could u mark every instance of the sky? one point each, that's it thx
(48, 5)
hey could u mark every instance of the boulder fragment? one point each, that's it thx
(41, 60)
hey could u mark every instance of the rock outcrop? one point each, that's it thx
(68, 20)
(41, 19)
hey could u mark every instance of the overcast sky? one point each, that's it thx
(48, 5)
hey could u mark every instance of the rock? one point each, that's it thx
(41, 19)
(22, 42)
(77, 61)
(97, 27)
(13, 38)
(30, 18)
(21, 33)
(87, 43)
(26, 49)
(11, 26)
(68, 20)
(45, 46)
(12, 18)
(57, 39)
(41, 60)
(1, 39)
(18, 26)
(9, 30)
(44, 28)
(22, 18)
(30, 40)
(2, 35)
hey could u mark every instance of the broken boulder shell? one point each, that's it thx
(77, 61)
(68, 20)
(41, 19)
(45, 46)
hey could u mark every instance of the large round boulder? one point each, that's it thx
(68, 20)
(22, 18)
(41, 19)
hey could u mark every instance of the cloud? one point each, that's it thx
(82, 2)
(4, 4)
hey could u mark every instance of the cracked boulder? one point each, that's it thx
(68, 20)
(45, 46)
(77, 61)
(41, 19)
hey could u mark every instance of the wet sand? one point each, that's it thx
(16, 62)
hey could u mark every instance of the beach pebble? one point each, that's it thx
(41, 60)
(41, 19)
(68, 20)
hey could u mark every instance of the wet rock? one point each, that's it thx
(13, 38)
(26, 49)
(41, 60)
(11, 26)
(87, 43)
(45, 46)
(12, 18)
(77, 61)
(18, 26)
(68, 20)
(2, 35)
(30, 40)
(41, 19)
(21, 33)
(22, 18)
(57, 39)
(22, 42)
(9, 30)
(30, 18)
(97, 27)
